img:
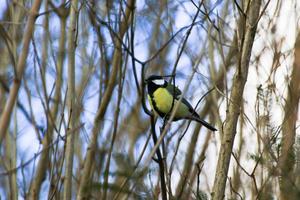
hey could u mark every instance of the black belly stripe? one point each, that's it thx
(161, 114)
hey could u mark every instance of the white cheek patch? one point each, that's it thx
(159, 81)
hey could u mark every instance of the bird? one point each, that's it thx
(163, 97)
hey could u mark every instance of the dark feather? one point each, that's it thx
(175, 91)
(201, 121)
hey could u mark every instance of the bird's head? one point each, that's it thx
(154, 81)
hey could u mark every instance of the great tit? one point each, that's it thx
(161, 95)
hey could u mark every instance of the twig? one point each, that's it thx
(135, 167)
(233, 190)
(24, 164)
(159, 161)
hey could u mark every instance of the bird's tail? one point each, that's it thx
(196, 117)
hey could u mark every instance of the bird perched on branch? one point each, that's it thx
(164, 96)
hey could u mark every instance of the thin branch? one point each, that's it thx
(6, 114)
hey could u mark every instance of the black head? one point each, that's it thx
(154, 81)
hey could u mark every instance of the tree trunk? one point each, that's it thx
(236, 101)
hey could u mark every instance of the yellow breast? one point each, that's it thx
(163, 100)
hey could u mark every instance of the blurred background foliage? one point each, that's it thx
(116, 45)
